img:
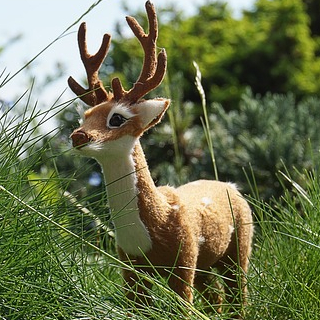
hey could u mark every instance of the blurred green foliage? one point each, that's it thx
(265, 135)
(260, 74)
(270, 49)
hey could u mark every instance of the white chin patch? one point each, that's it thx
(113, 148)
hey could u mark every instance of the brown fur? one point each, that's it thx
(188, 234)
(197, 226)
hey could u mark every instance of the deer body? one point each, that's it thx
(197, 226)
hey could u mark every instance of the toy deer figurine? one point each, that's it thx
(197, 226)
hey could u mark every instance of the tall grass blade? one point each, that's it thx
(205, 121)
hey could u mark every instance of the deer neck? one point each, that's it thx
(124, 175)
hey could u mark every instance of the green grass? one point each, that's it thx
(51, 268)
(285, 271)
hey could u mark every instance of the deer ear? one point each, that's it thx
(152, 111)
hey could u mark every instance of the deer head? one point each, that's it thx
(119, 115)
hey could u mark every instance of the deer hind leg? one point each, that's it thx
(181, 281)
(234, 267)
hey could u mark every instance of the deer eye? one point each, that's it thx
(117, 120)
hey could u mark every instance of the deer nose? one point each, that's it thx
(79, 139)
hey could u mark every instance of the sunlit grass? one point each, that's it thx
(54, 267)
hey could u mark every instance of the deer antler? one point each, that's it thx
(154, 67)
(152, 73)
(96, 93)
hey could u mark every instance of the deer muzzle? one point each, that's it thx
(79, 139)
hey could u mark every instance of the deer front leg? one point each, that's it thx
(136, 288)
(181, 280)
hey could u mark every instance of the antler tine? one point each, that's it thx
(154, 67)
(96, 93)
(148, 41)
(140, 89)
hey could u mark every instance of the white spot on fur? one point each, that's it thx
(233, 186)
(175, 207)
(206, 201)
(231, 229)
(201, 240)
